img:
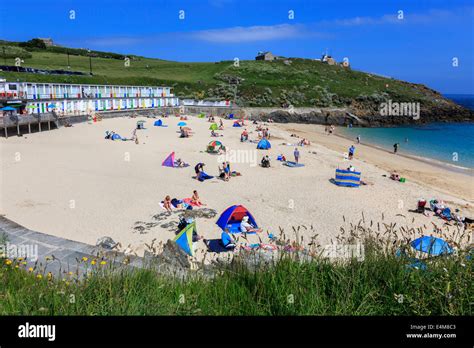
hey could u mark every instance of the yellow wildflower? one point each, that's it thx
(30, 269)
(103, 262)
(8, 262)
(93, 262)
(39, 276)
(85, 258)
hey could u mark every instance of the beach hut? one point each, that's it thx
(232, 217)
(264, 144)
(431, 245)
(184, 239)
(214, 126)
(347, 178)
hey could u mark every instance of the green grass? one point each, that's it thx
(304, 82)
(370, 287)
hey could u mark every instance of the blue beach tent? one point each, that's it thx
(264, 144)
(347, 178)
(232, 217)
(184, 239)
(431, 245)
(116, 137)
(158, 123)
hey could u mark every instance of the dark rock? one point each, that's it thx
(106, 243)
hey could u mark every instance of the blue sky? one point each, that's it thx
(418, 48)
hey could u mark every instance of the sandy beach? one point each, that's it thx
(73, 183)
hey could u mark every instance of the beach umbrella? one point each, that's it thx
(214, 126)
(31, 106)
(8, 108)
(51, 105)
(215, 143)
(181, 124)
(431, 245)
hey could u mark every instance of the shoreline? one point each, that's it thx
(428, 160)
(424, 171)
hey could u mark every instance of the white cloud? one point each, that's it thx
(249, 34)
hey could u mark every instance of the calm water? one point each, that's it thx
(452, 143)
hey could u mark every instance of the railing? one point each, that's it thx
(87, 95)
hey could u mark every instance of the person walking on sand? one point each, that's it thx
(296, 153)
(395, 147)
(351, 152)
(358, 139)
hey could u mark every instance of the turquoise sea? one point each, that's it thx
(451, 143)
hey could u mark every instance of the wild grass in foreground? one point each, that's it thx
(381, 284)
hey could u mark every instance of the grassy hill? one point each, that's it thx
(299, 82)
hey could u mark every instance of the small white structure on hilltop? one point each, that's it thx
(268, 56)
(47, 41)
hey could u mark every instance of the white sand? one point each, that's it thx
(75, 184)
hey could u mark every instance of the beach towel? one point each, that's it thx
(446, 214)
(293, 164)
(215, 246)
(236, 124)
(203, 176)
(189, 201)
(163, 206)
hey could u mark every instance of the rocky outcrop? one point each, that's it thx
(364, 115)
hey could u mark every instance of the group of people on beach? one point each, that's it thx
(173, 203)
(329, 129)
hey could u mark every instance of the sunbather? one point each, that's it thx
(195, 199)
(199, 168)
(395, 176)
(227, 240)
(167, 203)
(246, 227)
(180, 163)
(265, 162)
(244, 136)
(227, 171)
